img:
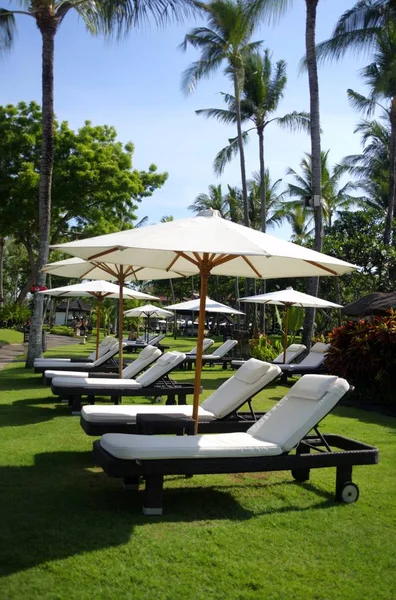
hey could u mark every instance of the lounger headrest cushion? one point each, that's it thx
(252, 371)
(320, 347)
(312, 387)
(147, 352)
(295, 347)
(109, 339)
(168, 357)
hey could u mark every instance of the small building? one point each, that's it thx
(74, 309)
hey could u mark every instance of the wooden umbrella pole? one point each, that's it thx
(201, 325)
(100, 298)
(121, 281)
(285, 336)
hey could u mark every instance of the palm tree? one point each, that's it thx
(214, 200)
(268, 9)
(299, 218)
(263, 89)
(334, 196)
(371, 167)
(357, 28)
(231, 24)
(380, 75)
(108, 17)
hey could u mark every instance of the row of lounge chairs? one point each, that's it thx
(239, 441)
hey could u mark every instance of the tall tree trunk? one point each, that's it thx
(47, 25)
(315, 155)
(392, 176)
(2, 244)
(263, 197)
(241, 149)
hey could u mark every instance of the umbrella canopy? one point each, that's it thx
(82, 269)
(99, 290)
(372, 304)
(211, 306)
(148, 311)
(207, 244)
(288, 298)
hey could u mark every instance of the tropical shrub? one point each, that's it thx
(62, 330)
(14, 315)
(263, 349)
(364, 353)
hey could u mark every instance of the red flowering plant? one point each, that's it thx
(364, 353)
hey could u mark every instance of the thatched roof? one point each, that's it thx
(77, 305)
(373, 304)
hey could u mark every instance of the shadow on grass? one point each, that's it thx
(25, 412)
(62, 506)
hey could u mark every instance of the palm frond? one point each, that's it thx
(295, 121)
(7, 30)
(220, 114)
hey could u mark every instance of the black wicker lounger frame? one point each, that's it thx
(163, 387)
(313, 452)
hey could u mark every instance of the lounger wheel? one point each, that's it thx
(300, 474)
(349, 493)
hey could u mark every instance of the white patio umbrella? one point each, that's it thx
(288, 298)
(98, 269)
(148, 311)
(98, 289)
(211, 306)
(207, 244)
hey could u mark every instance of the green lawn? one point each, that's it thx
(10, 336)
(70, 532)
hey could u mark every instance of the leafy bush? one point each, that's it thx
(364, 353)
(62, 330)
(14, 315)
(263, 349)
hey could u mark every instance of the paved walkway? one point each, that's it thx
(11, 352)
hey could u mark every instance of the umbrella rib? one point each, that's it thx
(247, 261)
(104, 253)
(315, 264)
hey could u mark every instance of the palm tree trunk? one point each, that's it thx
(241, 149)
(392, 176)
(310, 30)
(263, 191)
(2, 244)
(47, 25)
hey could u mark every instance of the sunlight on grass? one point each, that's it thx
(10, 336)
(69, 531)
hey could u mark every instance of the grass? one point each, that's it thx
(10, 336)
(69, 531)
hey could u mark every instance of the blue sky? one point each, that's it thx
(135, 86)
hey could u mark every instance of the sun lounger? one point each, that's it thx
(207, 342)
(103, 347)
(292, 352)
(136, 345)
(153, 382)
(106, 361)
(145, 358)
(220, 356)
(218, 413)
(312, 363)
(266, 446)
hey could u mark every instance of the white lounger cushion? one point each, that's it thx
(127, 413)
(69, 366)
(91, 383)
(292, 352)
(280, 430)
(251, 377)
(314, 359)
(227, 398)
(166, 363)
(221, 351)
(144, 359)
(225, 445)
(205, 345)
(306, 403)
(103, 348)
